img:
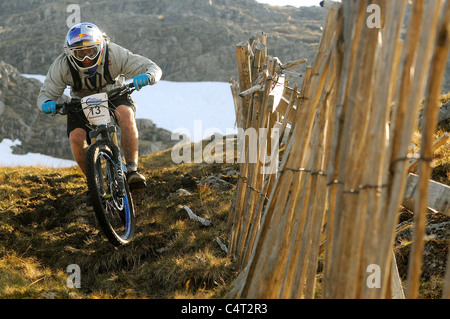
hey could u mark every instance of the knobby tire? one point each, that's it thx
(110, 210)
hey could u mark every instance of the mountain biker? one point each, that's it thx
(92, 64)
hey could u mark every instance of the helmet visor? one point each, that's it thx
(82, 53)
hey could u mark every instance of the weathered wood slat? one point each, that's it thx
(440, 142)
(292, 64)
(438, 199)
(343, 173)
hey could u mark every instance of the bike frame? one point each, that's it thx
(104, 136)
(105, 132)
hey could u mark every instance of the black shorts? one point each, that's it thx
(78, 120)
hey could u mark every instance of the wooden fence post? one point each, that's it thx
(343, 172)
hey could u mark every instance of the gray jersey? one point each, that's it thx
(122, 65)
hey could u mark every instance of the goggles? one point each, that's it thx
(82, 53)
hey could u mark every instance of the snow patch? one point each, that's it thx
(8, 159)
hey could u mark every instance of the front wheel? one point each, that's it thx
(110, 195)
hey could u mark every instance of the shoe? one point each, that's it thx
(136, 180)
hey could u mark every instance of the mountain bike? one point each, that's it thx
(105, 169)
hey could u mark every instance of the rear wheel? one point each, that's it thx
(111, 198)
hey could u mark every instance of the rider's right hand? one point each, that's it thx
(49, 107)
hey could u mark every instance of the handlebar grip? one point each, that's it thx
(61, 108)
(66, 107)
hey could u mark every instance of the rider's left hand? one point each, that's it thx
(141, 80)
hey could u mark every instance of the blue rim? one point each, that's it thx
(126, 205)
(127, 216)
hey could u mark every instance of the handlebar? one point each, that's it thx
(67, 107)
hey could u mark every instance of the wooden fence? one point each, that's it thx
(343, 137)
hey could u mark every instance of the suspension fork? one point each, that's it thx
(119, 169)
(108, 137)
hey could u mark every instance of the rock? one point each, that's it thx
(48, 295)
(192, 40)
(436, 242)
(21, 119)
(163, 249)
(152, 138)
(216, 183)
(444, 117)
(439, 230)
(178, 193)
(182, 191)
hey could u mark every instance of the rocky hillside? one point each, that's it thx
(39, 133)
(192, 40)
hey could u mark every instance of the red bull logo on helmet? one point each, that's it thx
(81, 37)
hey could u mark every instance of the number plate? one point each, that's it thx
(95, 107)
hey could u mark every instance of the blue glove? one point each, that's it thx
(49, 107)
(141, 80)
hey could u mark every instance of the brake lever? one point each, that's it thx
(60, 110)
(128, 89)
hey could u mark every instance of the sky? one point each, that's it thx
(295, 3)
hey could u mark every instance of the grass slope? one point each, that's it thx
(45, 227)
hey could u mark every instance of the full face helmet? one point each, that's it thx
(84, 47)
